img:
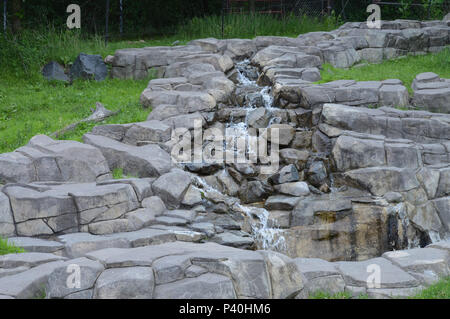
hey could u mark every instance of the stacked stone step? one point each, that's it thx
(111, 268)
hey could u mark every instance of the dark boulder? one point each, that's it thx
(54, 71)
(89, 67)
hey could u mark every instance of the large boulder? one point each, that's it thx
(89, 67)
(44, 159)
(54, 71)
(140, 161)
(172, 186)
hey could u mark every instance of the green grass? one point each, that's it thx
(440, 290)
(404, 69)
(249, 26)
(8, 248)
(39, 107)
(29, 105)
(339, 295)
(118, 174)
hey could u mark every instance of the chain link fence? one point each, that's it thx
(347, 10)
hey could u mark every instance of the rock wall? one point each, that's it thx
(354, 182)
(113, 269)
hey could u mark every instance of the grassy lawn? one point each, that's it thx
(35, 107)
(29, 105)
(439, 290)
(404, 69)
(6, 248)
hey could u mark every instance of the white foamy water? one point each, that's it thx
(266, 235)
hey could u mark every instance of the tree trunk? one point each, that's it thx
(16, 10)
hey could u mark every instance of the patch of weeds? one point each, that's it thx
(439, 290)
(9, 248)
(118, 174)
(339, 295)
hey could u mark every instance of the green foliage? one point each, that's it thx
(118, 173)
(250, 26)
(8, 248)
(439, 290)
(339, 295)
(28, 108)
(404, 69)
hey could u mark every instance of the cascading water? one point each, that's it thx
(265, 234)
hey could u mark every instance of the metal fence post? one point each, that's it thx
(223, 16)
(106, 22)
(121, 17)
(5, 2)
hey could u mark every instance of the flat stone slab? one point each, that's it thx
(28, 284)
(61, 284)
(79, 244)
(315, 267)
(125, 283)
(233, 240)
(426, 264)
(394, 293)
(145, 237)
(207, 286)
(27, 259)
(360, 274)
(36, 245)
(12, 271)
(445, 245)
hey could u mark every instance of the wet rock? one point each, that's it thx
(317, 173)
(286, 175)
(233, 240)
(258, 118)
(253, 191)
(293, 189)
(280, 202)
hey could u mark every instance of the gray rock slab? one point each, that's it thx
(207, 286)
(391, 276)
(27, 259)
(79, 244)
(314, 267)
(36, 245)
(28, 284)
(140, 161)
(73, 276)
(125, 283)
(426, 264)
(145, 237)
